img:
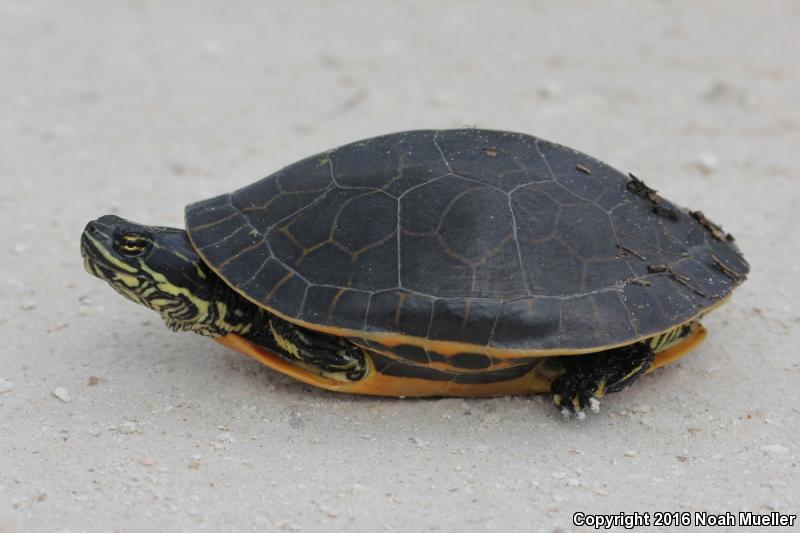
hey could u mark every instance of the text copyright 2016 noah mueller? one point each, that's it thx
(683, 519)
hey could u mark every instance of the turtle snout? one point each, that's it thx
(96, 235)
(96, 246)
(90, 229)
(90, 233)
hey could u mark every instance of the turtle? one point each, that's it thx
(463, 262)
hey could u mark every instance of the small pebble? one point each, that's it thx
(62, 394)
(594, 405)
(147, 461)
(548, 91)
(287, 526)
(194, 464)
(20, 249)
(706, 162)
(28, 305)
(128, 428)
(774, 448)
(93, 380)
(419, 443)
(631, 453)
(5, 386)
(328, 511)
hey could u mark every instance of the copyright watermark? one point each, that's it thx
(683, 519)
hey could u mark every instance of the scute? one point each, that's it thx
(492, 239)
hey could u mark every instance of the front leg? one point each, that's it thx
(327, 353)
(591, 376)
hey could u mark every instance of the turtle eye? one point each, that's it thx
(131, 245)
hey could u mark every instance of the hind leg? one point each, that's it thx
(594, 375)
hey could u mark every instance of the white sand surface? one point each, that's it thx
(110, 422)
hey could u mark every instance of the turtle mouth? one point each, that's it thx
(91, 262)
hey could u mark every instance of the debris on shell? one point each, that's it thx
(62, 394)
(715, 229)
(725, 269)
(666, 212)
(638, 187)
(582, 168)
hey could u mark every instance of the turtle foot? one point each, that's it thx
(590, 377)
(326, 353)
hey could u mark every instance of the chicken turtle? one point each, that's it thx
(461, 262)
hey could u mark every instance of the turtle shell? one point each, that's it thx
(497, 240)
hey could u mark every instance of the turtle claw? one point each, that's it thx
(573, 394)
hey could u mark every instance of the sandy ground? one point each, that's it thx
(140, 107)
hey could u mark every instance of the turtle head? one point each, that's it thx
(156, 267)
